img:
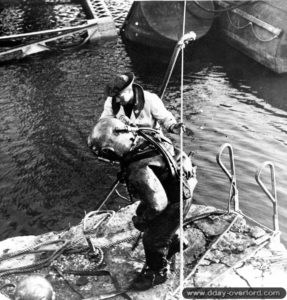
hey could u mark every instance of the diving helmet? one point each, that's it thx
(34, 287)
(107, 142)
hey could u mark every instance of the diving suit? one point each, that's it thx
(150, 170)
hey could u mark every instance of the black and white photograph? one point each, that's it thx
(143, 147)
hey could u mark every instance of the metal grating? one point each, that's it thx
(100, 8)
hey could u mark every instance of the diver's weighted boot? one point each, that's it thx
(149, 278)
(139, 223)
(175, 246)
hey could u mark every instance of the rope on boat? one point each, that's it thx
(275, 36)
(220, 10)
(240, 27)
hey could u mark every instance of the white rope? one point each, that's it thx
(262, 39)
(240, 27)
(181, 277)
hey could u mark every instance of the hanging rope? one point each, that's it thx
(181, 277)
(251, 25)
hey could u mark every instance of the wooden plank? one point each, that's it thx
(19, 2)
(97, 27)
(57, 30)
(59, 1)
(41, 46)
(275, 30)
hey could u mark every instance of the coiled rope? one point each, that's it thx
(35, 247)
(67, 247)
(37, 265)
(251, 25)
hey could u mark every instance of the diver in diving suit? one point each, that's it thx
(151, 175)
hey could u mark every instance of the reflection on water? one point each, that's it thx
(29, 17)
(49, 103)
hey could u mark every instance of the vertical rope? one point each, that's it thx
(181, 277)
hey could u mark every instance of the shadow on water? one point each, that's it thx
(245, 74)
(151, 64)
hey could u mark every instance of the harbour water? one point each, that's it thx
(49, 103)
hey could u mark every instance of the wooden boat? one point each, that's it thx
(96, 24)
(159, 23)
(258, 29)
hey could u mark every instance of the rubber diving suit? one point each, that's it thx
(148, 163)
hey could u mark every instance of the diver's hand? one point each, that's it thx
(127, 121)
(175, 128)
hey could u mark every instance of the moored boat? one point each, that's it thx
(258, 29)
(159, 23)
(37, 26)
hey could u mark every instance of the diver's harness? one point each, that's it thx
(152, 138)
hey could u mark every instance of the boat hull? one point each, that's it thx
(258, 29)
(159, 23)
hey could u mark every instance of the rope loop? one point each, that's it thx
(250, 24)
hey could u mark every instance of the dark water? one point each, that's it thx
(26, 17)
(49, 103)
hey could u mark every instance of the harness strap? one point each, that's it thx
(139, 155)
(172, 165)
(151, 148)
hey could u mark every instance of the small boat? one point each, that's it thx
(258, 29)
(38, 26)
(159, 23)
